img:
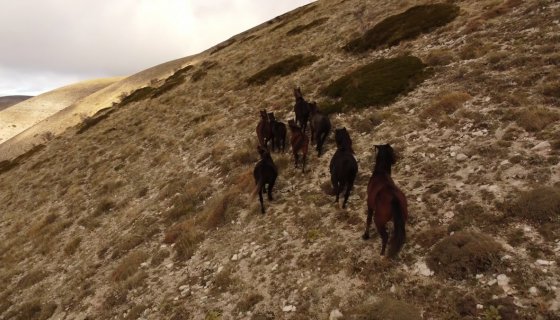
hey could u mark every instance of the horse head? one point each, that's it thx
(385, 154)
(342, 139)
(297, 93)
(271, 116)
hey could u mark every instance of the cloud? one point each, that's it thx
(84, 39)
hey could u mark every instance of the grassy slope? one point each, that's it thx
(99, 204)
(9, 101)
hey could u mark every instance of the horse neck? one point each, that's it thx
(382, 167)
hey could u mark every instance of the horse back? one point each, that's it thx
(343, 165)
(382, 191)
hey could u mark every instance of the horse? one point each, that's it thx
(278, 133)
(343, 166)
(299, 142)
(320, 127)
(342, 137)
(265, 173)
(264, 129)
(301, 109)
(388, 201)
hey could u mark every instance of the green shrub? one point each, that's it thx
(379, 82)
(301, 28)
(281, 68)
(463, 254)
(406, 25)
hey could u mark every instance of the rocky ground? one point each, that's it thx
(149, 213)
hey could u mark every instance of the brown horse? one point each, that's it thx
(299, 142)
(264, 129)
(301, 109)
(387, 200)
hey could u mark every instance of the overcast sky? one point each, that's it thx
(45, 44)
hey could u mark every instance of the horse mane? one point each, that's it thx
(343, 141)
(385, 159)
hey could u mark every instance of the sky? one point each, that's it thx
(46, 44)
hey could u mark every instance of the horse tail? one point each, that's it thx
(399, 233)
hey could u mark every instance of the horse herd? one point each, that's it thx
(384, 197)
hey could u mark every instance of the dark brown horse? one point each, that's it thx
(299, 142)
(278, 133)
(301, 109)
(343, 138)
(388, 202)
(320, 127)
(343, 166)
(265, 174)
(264, 129)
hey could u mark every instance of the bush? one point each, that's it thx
(535, 119)
(187, 242)
(301, 28)
(439, 57)
(539, 205)
(463, 254)
(72, 246)
(129, 265)
(385, 308)
(378, 83)
(403, 26)
(281, 68)
(445, 104)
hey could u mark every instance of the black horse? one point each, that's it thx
(343, 166)
(265, 173)
(301, 109)
(320, 127)
(278, 133)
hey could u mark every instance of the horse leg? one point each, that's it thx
(303, 163)
(384, 238)
(270, 186)
(368, 223)
(296, 157)
(261, 199)
(346, 195)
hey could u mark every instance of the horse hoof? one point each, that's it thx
(365, 236)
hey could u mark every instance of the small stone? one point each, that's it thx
(479, 276)
(461, 157)
(274, 267)
(220, 268)
(169, 265)
(407, 168)
(183, 287)
(541, 262)
(492, 282)
(285, 233)
(534, 291)
(287, 308)
(503, 280)
(335, 314)
(235, 257)
(254, 254)
(453, 154)
(393, 289)
(479, 306)
(449, 215)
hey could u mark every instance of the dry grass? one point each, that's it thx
(128, 266)
(32, 310)
(535, 119)
(248, 301)
(72, 246)
(125, 244)
(222, 209)
(187, 241)
(386, 308)
(445, 104)
(31, 278)
(464, 254)
(439, 57)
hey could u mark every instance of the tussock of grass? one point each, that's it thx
(186, 239)
(222, 209)
(386, 308)
(464, 254)
(125, 244)
(172, 81)
(248, 301)
(539, 205)
(7, 165)
(129, 265)
(281, 68)
(551, 89)
(72, 246)
(403, 26)
(439, 57)
(32, 310)
(535, 119)
(31, 278)
(301, 28)
(378, 83)
(222, 46)
(445, 104)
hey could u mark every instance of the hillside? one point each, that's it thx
(8, 101)
(145, 210)
(24, 115)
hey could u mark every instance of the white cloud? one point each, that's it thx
(79, 39)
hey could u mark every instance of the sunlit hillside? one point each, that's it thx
(146, 210)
